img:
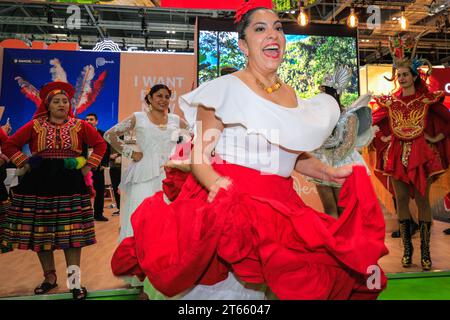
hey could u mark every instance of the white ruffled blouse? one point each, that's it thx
(259, 133)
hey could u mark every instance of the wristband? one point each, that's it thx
(127, 152)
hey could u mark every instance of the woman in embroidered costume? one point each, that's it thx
(4, 200)
(237, 218)
(412, 145)
(51, 207)
(157, 134)
(352, 131)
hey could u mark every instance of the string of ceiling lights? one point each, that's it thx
(352, 19)
(302, 18)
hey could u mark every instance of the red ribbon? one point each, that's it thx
(245, 7)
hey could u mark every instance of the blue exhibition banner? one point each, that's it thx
(95, 76)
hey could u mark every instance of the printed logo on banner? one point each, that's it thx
(28, 61)
(100, 62)
(106, 45)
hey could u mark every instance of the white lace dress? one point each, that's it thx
(144, 178)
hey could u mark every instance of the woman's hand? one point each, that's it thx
(385, 138)
(183, 165)
(6, 128)
(221, 182)
(137, 156)
(338, 175)
(85, 170)
(430, 139)
(23, 170)
(438, 138)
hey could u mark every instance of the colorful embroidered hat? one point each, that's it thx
(48, 91)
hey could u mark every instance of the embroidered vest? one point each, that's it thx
(407, 120)
(58, 137)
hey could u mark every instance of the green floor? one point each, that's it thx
(418, 286)
(401, 286)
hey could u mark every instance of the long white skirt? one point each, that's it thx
(133, 194)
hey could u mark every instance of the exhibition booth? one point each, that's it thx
(119, 81)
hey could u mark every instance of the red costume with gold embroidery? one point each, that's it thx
(408, 156)
(55, 141)
(412, 144)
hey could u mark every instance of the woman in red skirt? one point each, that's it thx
(51, 208)
(237, 219)
(413, 145)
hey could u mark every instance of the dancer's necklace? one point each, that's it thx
(162, 125)
(277, 85)
(271, 89)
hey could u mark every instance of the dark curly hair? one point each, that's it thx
(155, 89)
(242, 25)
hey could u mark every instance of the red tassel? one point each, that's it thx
(88, 179)
(98, 85)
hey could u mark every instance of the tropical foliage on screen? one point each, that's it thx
(282, 5)
(306, 61)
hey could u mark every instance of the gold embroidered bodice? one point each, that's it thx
(407, 120)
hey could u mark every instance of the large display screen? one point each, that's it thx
(311, 53)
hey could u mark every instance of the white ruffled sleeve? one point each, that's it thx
(304, 128)
(216, 94)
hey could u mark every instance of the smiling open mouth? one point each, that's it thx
(272, 51)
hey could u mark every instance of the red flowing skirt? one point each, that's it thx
(422, 161)
(261, 230)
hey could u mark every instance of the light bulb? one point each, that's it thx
(403, 22)
(352, 20)
(302, 18)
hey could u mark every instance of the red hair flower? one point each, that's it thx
(245, 7)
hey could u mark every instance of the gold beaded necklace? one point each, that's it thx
(162, 125)
(277, 85)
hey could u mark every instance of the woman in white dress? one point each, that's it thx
(157, 133)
